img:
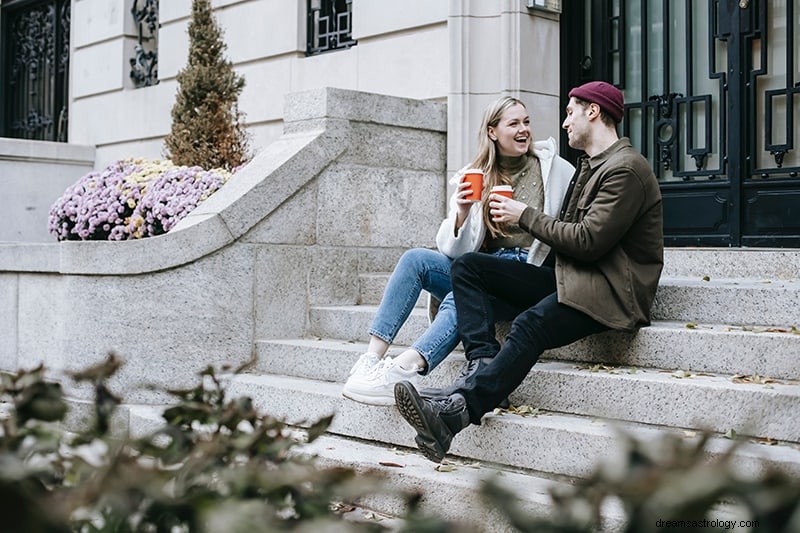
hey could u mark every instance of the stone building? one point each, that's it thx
(358, 110)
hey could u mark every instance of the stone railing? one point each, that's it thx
(355, 179)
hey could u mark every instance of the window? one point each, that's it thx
(144, 64)
(35, 69)
(329, 25)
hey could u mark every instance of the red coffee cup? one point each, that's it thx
(474, 176)
(503, 190)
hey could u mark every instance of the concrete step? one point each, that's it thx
(404, 471)
(534, 443)
(452, 495)
(714, 402)
(371, 287)
(755, 263)
(740, 301)
(668, 345)
(352, 322)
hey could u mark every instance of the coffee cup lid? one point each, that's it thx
(473, 171)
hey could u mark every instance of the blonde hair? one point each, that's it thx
(487, 157)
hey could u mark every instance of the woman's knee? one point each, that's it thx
(420, 257)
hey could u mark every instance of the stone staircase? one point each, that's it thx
(722, 355)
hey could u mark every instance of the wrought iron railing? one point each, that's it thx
(144, 64)
(329, 26)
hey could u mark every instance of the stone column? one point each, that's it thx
(499, 48)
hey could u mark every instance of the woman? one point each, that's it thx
(508, 156)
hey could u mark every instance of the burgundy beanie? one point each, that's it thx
(608, 97)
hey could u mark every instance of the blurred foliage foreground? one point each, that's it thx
(218, 465)
(215, 465)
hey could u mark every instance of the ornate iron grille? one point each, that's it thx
(144, 63)
(35, 71)
(329, 25)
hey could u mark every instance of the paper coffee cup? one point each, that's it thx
(503, 190)
(474, 176)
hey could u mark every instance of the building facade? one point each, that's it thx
(711, 86)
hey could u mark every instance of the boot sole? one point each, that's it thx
(409, 403)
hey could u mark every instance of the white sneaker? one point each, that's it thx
(377, 386)
(365, 363)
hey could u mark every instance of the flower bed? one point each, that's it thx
(131, 199)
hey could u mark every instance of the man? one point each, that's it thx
(608, 253)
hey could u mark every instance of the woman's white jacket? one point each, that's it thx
(556, 175)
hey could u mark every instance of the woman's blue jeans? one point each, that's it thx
(422, 269)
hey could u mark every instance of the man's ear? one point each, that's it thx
(593, 111)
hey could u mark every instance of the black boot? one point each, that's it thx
(470, 367)
(436, 420)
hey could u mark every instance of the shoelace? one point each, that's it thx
(380, 367)
(366, 362)
(446, 404)
(469, 368)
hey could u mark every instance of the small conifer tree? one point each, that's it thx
(207, 128)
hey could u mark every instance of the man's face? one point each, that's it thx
(577, 124)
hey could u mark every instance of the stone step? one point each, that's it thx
(371, 287)
(665, 345)
(740, 301)
(453, 494)
(755, 263)
(352, 322)
(404, 471)
(534, 443)
(678, 399)
(728, 301)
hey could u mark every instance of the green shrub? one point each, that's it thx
(215, 464)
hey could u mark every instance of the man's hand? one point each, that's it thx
(505, 209)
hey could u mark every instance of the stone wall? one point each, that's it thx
(355, 179)
(33, 174)
(402, 50)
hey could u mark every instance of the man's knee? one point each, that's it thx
(464, 263)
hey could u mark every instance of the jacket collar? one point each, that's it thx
(597, 160)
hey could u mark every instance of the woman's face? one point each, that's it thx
(512, 135)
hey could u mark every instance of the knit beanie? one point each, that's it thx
(608, 97)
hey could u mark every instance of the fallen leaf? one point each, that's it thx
(682, 374)
(523, 410)
(339, 507)
(445, 468)
(706, 278)
(689, 434)
(730, 434)
(766, 441)
(754, 379)
(389, 463)
(691, 325)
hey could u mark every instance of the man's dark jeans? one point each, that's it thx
(488, 289)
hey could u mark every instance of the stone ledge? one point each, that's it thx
(365, 107)
(46, 152)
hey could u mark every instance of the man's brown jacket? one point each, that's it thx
(608, 239)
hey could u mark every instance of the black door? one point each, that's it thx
(712, 100)
(34, 69)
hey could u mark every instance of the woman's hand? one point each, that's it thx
(463, 205)
(505, 210)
